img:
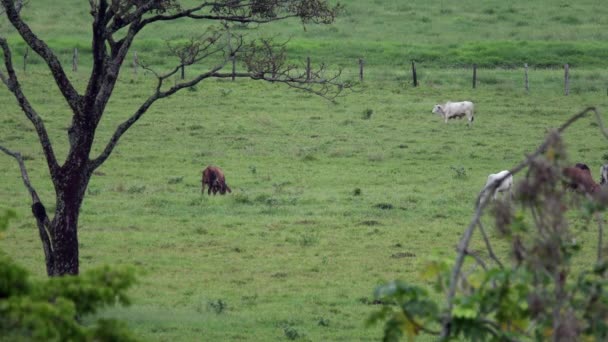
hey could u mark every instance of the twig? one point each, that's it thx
(24, 175)
(489, 246)
(600, 235)
(477, 258)
(38, 210)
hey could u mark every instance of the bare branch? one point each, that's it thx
(481, 203)
(43, 50)
(158, 94)
(100, 15)
(24, 175)
(125, 13)
(38, 210)
(196, 48)
(600, 235)
(259, 12)
(103, 91)
(329, 89)
(266, 64)
(489, 246)
(13, 85)
(477, 258)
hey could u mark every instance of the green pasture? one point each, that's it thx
(442, 33)
(328, 201)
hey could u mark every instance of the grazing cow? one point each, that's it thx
(215, 180)
(604, 174)
(452, 110)
(581, 179)
(505, 185)
(574, 185)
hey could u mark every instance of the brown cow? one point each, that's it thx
(581, 179)
(215, 180)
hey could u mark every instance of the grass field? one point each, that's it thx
(385, 32)
(328, 201)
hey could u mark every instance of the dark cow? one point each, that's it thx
(581, 179)
(213, 176)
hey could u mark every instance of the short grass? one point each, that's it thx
(329, 200)
(384, 32)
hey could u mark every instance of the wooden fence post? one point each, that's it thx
(308, 68)
(474, 75)
(361, 62)
(25, 55)
(233, 58)
(75, 60)
(566, 79)
(135, 62)
(415, 78)
(526, 77)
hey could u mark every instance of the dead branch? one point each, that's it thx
(489, 245)
(13, 85)
(42, 219)
(481, 204)
(44, 51)
(600, 235)
(477, 258)
(158, 94)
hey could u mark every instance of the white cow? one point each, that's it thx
(604, 174)
(505, 185)
(452, 110)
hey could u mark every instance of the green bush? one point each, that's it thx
(50, 309)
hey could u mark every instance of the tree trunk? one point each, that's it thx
(70, 188)
(65, 240)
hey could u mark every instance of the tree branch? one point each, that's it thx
(98, 49)
(38, 210)
(24, 175)
(481, 203)
(13, 85)
(233, 12)
(600, 235)
(489, 246)
(324, 91)
(477, 258)
(110, 74)
(43, 50)
(158, 94)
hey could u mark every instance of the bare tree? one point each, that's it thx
(115, 26)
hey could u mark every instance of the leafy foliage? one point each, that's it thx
(541, 295)
(50, 309)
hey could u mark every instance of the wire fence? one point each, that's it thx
(563, 80)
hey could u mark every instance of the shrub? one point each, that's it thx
(50, 309)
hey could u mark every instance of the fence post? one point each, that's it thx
(361, 62)
(566, 79)
(25, 55)
(135, 62)
(474, 75)
(233, 57)
(308, 68)
(414, 74)
(526, 77)
(75, 60)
